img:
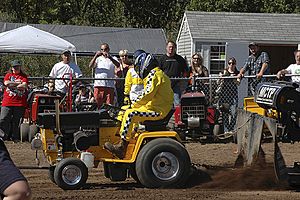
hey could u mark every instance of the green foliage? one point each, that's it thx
(254, 6)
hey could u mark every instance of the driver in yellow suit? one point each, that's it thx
(154, 104)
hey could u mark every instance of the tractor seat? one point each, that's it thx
(158, 125)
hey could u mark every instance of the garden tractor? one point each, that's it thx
(278, 110)
(196, 119)
(41, 100)
(73, 143)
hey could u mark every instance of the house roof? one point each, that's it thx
(259, 27)
(87, 39)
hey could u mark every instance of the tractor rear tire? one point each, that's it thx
(132, 173)
(24, 131)
(163, 163)
(70, 174)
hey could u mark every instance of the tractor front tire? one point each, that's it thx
(70, 174)
(163, 163)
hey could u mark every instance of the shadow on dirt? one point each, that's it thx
(117, 186)
(197, 177)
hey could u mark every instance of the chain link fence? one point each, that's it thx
(218, 90)
(228, 91)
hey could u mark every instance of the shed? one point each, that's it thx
(217, 36)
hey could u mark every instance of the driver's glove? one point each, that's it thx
(126, 101)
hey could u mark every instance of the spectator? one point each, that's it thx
(121, 73)
(133, 83)
(63, 69)
(104, 65)
(51, 87)
(14, 100)
(197, 69)
(257, 64)
(83, 97)
(293, 69)
(228, 93)
(13, 185)
(173, 65)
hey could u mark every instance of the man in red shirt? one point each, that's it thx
(14, 100)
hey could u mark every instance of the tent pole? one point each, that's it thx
(75, 56)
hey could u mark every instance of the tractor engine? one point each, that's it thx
(192, 110)
(284, 98)
(195, 119)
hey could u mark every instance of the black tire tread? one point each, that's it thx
(70, 161)
(152, 148)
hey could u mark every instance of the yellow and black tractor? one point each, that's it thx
(73, 143)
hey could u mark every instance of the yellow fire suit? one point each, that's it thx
(155, 103)
(133, 85)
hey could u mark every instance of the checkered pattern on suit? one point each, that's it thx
(132, 116)
(148, 85)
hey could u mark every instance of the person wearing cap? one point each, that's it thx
(83, 97)
(14, 100)
(104, 64)
(64, 69)
(257, 64)
(13, 185)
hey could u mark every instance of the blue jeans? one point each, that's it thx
(11, 117)
(177, 95)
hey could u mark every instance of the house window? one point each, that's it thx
(217, 58)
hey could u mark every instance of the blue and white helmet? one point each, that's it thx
(137, 53)
(144, 63)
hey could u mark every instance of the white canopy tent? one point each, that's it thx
(28, 39)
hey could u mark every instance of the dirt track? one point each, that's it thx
(215, 178)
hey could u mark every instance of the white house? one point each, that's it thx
(221, 35)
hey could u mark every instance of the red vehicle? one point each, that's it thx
(40, 100)
(197, 119)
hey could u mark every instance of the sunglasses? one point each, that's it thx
(196, 58)
(124, 56)
(231, 63)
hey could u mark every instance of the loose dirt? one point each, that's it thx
(214, 177)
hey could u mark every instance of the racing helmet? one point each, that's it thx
(144, 63)
(137, 53)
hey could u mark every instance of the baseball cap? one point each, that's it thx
(252, 44)
(66, 52)
(15, 63)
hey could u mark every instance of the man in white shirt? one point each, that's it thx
(104, 65)
(64, 69)
(293, 69)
